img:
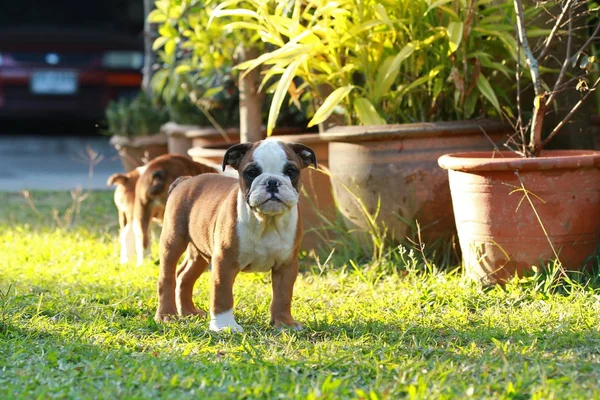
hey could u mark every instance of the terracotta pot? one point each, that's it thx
(499, 231)
(138, 150)
(395, 167)
(182, 138)
(316, 200)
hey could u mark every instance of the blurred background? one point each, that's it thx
(61, 63)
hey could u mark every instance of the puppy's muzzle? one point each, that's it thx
(272, 186)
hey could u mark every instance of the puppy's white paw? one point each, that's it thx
(142, 254)
(127, 242)
(223, 321)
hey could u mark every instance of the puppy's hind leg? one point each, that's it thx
(127, 239)
(193, 266)
(172, 247)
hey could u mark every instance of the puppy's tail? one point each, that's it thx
(177, 181)
(117, 179)
(158, 184)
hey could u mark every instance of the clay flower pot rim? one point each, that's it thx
(508, 161)
(137, 141)
(358, 133)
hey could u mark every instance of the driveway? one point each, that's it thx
(56, 163)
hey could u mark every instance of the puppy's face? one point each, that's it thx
(269, 173)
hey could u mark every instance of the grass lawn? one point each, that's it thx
(76, 324)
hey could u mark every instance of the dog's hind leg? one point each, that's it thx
(192, 267)
(142, 215)
(172, 247)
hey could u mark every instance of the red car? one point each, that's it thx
(67, 59)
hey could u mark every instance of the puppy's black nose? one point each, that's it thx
(272, 185)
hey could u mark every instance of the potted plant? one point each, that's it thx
(134, 127)
(397, 69)
(211, 50)
(203, 110)
(515, 209)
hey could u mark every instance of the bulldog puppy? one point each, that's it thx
(124, 199)
(151, 194)
(250, 225)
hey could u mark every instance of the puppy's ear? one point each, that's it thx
(305, 153)
(117, 179)
(233, 156)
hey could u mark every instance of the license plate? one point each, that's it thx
(54, 82)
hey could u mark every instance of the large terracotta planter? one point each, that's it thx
(395, 167)
(316, 201)
(499, 230)
(138, 150)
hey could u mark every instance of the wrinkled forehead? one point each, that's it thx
(272, 156)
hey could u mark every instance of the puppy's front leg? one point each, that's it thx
(221, 295)
(283, 279)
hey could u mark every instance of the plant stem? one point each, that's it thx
(566, 8)
(570, 114)
(565, 65)
(535, 142)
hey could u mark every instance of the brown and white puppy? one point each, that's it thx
(124, 198)
(250, 225)
(147, 199)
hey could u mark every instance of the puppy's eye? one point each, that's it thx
(291, 172)
(252, 173)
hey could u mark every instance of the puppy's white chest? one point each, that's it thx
(262, 249)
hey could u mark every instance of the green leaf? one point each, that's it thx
(389, 70)
(280, 92)
(159, 42)
(384, 15)
(455, 33)
(367, 114)
(436, 5)
(329, 104)
(486, 89)
(157, 17)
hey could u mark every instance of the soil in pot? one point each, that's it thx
(513, 213)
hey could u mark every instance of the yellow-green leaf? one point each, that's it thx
(367, 114)
(167, 31)
(329, 104)
(486, 89)
(183, 69)
(159, 42)
(279, 95)
(455, 33)
(170, 47)
(156, 17)
(163, 5)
